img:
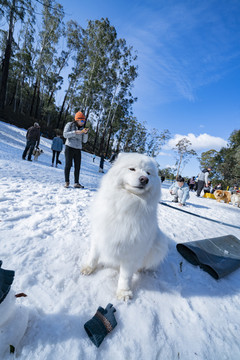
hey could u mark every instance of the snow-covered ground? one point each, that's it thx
(178, 312)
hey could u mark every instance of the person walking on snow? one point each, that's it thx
(57, 146)
(33, 138)
(203, 179)
(101, 165)
(180, 191)
(76, 134)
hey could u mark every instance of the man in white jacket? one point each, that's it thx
(76, 134)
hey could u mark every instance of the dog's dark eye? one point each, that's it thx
(132, 169)
(148, 173)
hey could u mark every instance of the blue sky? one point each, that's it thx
(189, 66)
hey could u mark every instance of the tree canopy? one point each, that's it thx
(101, 69)
(225, 163)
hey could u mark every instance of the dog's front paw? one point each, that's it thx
(87, 270)
(124, 295)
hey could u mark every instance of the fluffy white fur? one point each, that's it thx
(235, 199)
(37, 153)
(125, 230)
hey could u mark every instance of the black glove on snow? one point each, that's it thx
(6, 280)
(102, 323)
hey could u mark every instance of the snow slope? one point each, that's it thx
(178, 312)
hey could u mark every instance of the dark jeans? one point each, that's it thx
(72, 154)
(191, 186)
(57, 153)
(201, 185)
(29, 146)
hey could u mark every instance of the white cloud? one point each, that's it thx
(173, 167)
(200, 142)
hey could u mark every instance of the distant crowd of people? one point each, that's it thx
(75, 133)
(180, 190)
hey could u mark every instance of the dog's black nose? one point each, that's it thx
(143, 180)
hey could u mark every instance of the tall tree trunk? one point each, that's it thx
(88, 111)
(96, 137)
(38, 101)
(62, 108)
(16, 97)
(119, 141)
(48, 119)
(64, 101)
(108, 118)
(179, 164)
(54, 87)
(109, 137)
(10, 102)
(6, 61)
(33, 98)
(64, 120)
(110, 130)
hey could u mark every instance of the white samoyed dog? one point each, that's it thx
(125, 230)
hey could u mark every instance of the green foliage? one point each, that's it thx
(156, 140)
(168, 173)
(208, 158)
(100, 80)
(226, 162)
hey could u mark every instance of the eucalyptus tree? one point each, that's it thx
(100, 43)
(54, 78)
(156, 140)
(234, 141)
(99, 73)
(227, 159)
(124, 72)
(134, 139)
(183, 153)
(77, 55)
(12, 11)
(88, 48)
(21, 70)
(49, 36)
(118, 124)
(208, 158)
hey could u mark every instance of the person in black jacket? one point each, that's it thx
(33, 138)
(102, 158)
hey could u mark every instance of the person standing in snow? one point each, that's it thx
(203, 180)
(101, 165)
(180, 191)
(33, 138)
(191, 183)
(76, 134)
(57, 146)
(113, 157)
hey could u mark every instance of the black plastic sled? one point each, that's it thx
(6, 280)
(218, 256)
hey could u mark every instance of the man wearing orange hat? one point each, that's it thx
(75, 134)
